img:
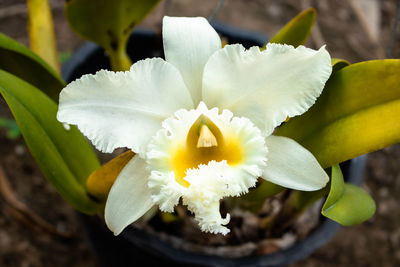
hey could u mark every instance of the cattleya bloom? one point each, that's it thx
(200, 121)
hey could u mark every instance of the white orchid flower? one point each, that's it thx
(200, 122)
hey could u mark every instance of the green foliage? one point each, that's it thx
(22, 62)
(357, 113)
(300, 200)
(338, 64)
(11, 126)
(296, 31)
(64, 156)
(109, 24)
(99, 183)
(347, 204)
(42, 39)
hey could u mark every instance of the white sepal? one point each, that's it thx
(129, 197)
(188, 43)
(292, 166)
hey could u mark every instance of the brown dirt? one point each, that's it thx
(373, 243)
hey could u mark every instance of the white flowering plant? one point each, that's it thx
(208, 123)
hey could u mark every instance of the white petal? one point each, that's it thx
(124, 109)
(292, 166)
(266, 86)
(188, 44)
(129, 197)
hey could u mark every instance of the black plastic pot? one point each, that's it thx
(136, 247)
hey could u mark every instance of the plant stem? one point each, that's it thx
(119, 59)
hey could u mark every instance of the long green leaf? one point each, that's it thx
(296, 31)
(338, 64)
(42, 39)
(347, 204)
(64, 156)
(357, 113)
(108, 23)
(22, 62)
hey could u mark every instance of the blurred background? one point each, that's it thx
(49, 233)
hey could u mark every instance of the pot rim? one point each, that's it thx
(301, 249)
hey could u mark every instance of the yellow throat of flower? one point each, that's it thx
(204, 143)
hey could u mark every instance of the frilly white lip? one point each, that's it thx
(210, 182)
(150, 108)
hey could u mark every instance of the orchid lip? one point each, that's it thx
(204, 175)
(188, 155)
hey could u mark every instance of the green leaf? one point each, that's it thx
(338, 64)
(99, 183)
(296, 31)
(357, 113)
(42, 39)
(64, 156)
(110, 24)
(22, 62)
(347, 204)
